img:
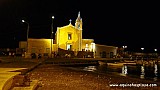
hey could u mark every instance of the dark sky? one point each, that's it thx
(134, 24)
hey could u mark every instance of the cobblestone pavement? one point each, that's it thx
(58, 78)
(53, 77)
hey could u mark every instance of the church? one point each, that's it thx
(68, 41)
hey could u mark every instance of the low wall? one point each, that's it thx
(6, 79)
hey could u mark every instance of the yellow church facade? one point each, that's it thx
(68, 39)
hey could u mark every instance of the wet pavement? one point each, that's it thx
(54, 77)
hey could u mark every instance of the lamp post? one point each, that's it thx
(142, 52)
(156, 52)
(27, 32)
(52, 34)
(124, 47)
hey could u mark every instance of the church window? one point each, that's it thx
(86, 45)
(69, 36)
(86, 48)
(92, 47)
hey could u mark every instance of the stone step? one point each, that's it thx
(33, 86)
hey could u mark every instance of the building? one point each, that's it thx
(104, 51)
(69, 41)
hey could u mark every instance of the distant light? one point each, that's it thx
(155, 49)
(52, 17)
(142, 48)
(23, 21)
(124, 46)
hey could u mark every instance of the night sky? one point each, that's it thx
(134, 24)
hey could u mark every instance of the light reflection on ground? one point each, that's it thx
(90, 68)
(136, 71)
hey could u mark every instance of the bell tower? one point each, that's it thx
(78, 23)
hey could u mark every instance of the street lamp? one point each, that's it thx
(142, 52)
(52, 35)
(142, 48)
(156, 52)
(124, 47)
(27, 32)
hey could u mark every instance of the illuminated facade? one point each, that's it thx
(69, 38)
(38, 46)
(41, 46)
(104, 51)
